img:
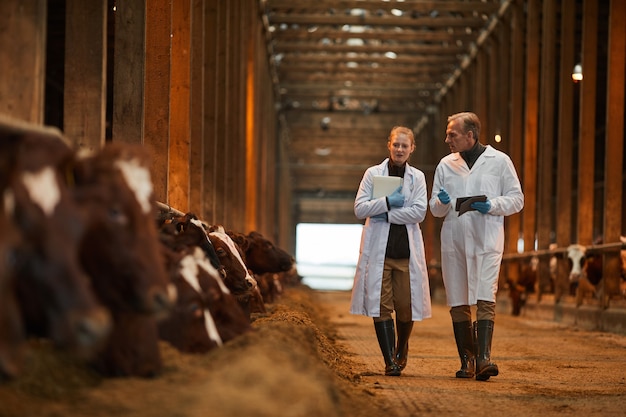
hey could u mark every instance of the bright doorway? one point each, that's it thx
(326, 254)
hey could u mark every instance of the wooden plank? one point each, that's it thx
(546, 141)
(613, 184)
(253, 67)
(129, 65)
(533, 48)
(565, 135)
(84, 120)
(157, 91)
(211, 105)
(180, 95)
(23, 45)
(587, 118)
(196, 140)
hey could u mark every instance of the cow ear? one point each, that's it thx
(240, 240)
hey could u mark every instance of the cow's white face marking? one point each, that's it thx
(576, 253)
(204, 263)
(235, 251)
(138, 179)
(189, 272)
(43, 189)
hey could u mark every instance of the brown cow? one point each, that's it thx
(122, 254)
(261, 255)
(238, 279)
(206, 314)
(53, 293)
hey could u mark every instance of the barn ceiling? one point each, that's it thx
(346, 71)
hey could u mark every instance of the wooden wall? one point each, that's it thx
(188, 79)
(566, 139)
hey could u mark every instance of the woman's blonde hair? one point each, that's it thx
(401, 130)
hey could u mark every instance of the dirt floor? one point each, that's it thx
(290, 365)
(308, 357)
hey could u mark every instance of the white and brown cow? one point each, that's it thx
(260, 254)
(122, 255)
(52, 291)
(237, 278)
(587, 269)
(206, 315)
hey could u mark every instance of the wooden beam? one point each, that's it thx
(84, 115)
(587, 118)
(157, 91)
(614, 163)
(316, 19)
(129, 65)
(196, 145)
(565, 135)
(533, 48)
(374, 5)
(179, 149)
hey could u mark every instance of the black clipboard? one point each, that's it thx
(464, 204)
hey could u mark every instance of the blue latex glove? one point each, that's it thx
(396, 199)
(381, 216)
(483, 207)
(443, 196)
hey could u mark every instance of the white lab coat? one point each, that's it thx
(369, 272)
(472, 244)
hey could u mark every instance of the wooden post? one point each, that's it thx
(209, 170)
(614, 145)
(129, 65)
(84, 120)
(180, 129)
(515, 127)
(533, 42)
(196, 151)
(546, 143)
(565, 135)
(586, 142)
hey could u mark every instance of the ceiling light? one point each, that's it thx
(577, 73)
(323, 151)
(391, 55)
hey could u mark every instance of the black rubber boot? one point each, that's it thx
(386, 335)
(404, 332)
(464, 336)
(484, 367)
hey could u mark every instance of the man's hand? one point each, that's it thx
(481, 206)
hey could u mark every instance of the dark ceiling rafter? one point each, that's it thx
(389, 61)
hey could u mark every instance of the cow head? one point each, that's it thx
(261, 255)
(52, 290)
(576, 255)
(120, 249)
(238, 279)
(205, 315)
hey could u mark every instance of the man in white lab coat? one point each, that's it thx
(472, 242)
(391, 273)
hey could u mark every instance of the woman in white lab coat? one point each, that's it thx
(472, 243)
(391, 273)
